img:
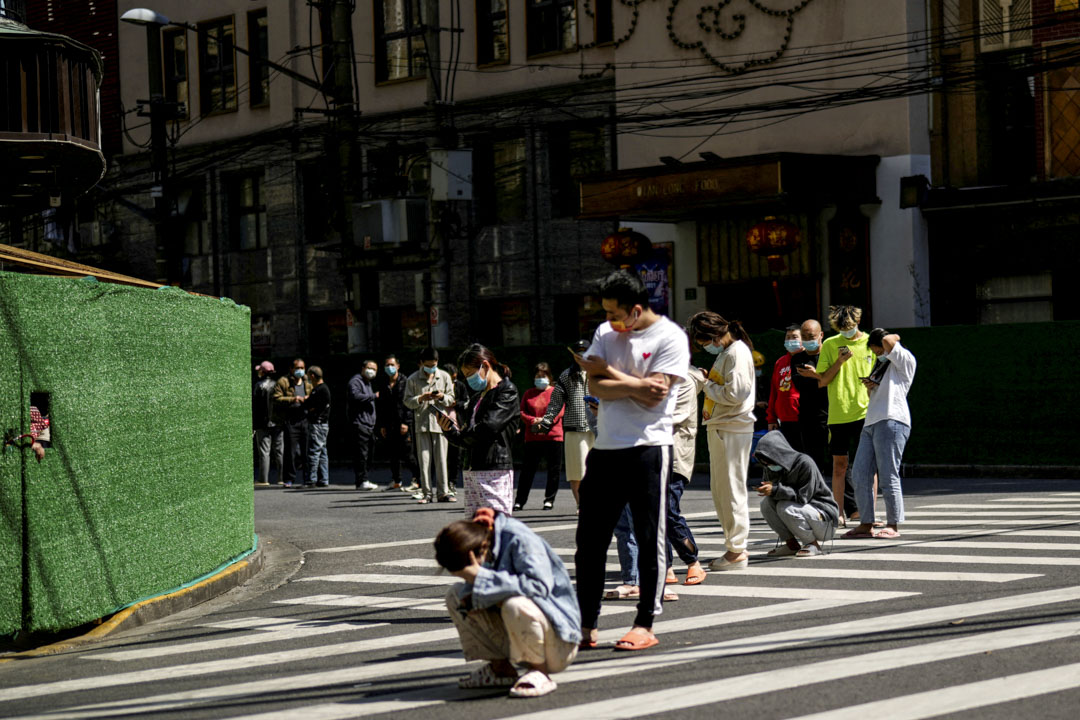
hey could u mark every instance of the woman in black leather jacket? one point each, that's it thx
(486, 430)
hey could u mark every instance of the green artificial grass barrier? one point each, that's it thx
(147, 484)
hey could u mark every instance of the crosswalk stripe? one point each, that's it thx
(376, 602)
(738, 646)
(278, 629)
(996, 506)
(780, 570)
(1042, 500)
(771, 681)
(1001, 513)
(968, 696)
(962, 544)
(952, 559)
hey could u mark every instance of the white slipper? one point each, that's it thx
(781, 551)
(810, 550)
(485, 677)
(532, 684)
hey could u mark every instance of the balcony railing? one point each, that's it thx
(13, 10)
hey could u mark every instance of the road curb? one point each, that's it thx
(156, 608)
(1032, 472)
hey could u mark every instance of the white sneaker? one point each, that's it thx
(722, 564)
(368, 485)
(420, 495)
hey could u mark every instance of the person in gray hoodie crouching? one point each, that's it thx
(795, 500)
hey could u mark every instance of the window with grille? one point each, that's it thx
(174, 42)
(259, 47)
(247, 212)
(492, 32)
(217, 67)
(400, 52)
(573, 154)
(551, 26)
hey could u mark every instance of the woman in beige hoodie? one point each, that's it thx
(728, 416)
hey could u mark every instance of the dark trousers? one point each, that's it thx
(296, 450)
(678, 532)
(399, 451)
(454, 465)
(815, 443)
(363, 443)
(791, 433)
(551, 452)
(636, 476)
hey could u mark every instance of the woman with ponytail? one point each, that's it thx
(728, 416)
(486, 430)
(517, 606)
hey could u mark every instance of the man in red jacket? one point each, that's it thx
(783, 412)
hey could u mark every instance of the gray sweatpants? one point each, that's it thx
(805, 523)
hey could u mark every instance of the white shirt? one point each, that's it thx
(660, 348)
(889, 400)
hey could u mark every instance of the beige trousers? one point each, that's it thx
(517, 631)
(431, 446)
(729, 461)
(576, 447)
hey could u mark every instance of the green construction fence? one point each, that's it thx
(147, 485)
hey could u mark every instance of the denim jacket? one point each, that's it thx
(524, 564)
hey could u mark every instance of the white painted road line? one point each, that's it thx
(997, 506)
(843, 543)
(382, 602)
(618, 666)
(779, 570)
(969, 696)
(952, 559)
(771, 681)
(273, 630)
(1001, 513)
(1042, 500)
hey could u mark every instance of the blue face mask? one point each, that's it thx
(430, 370)
(713, 349)
(793, 346)
(811, 345)
(476, 382)
(298, 373)
(774, 468)
(391, 370)
(849, 333)
(541, 383)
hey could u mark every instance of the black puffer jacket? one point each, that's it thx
(488, 436)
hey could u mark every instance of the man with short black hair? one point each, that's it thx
(635, 360)
(360, 409)
(394, 421)
(317, 407)
(884, 434)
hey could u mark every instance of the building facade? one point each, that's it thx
(323, 204)
(1003, 209)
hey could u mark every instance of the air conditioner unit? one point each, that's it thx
(1004, 24)
(389, 222)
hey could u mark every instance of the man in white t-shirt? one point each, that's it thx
(884, 435)
(635, 360)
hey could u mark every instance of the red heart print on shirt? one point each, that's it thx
(646, 356)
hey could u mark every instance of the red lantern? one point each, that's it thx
(774, 238)
(625, 247)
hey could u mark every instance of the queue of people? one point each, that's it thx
(513, 608)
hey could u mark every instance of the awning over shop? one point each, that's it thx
(671, 192)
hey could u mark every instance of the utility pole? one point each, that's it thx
(437, 99)
(159, 159)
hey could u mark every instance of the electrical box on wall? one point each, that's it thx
(451, 174)
(389, 222)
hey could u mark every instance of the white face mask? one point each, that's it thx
(369, 374)
(849, 333)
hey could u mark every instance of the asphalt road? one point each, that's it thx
(974, 613)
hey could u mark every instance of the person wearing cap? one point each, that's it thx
(269, 440)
